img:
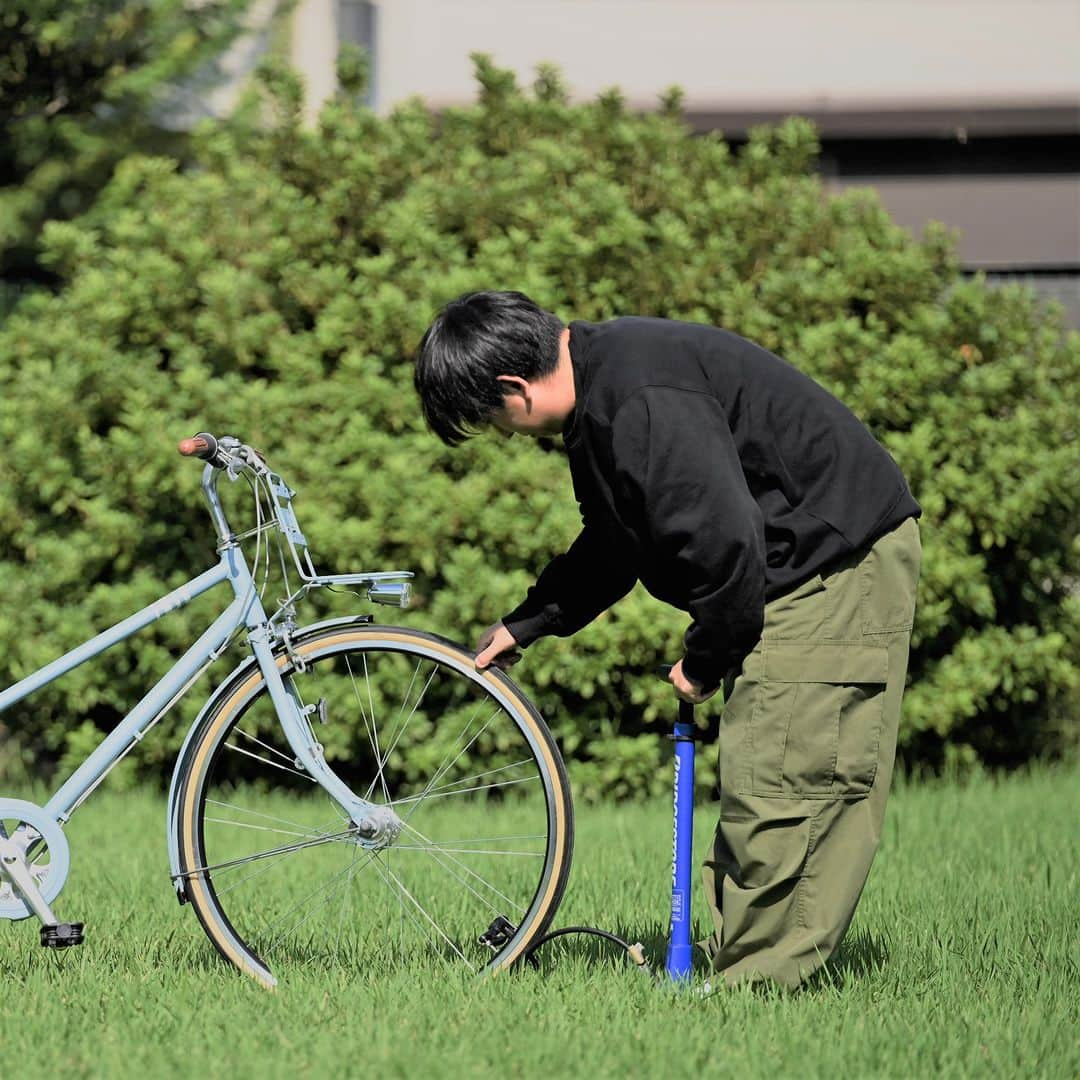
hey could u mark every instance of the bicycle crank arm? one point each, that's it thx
(13, 867)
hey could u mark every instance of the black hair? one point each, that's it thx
(474, 339)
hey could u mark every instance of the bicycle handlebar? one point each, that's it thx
(222, 452)
(204, 446)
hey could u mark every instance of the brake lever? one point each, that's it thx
(244, 457)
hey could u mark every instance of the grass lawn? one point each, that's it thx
(962, 960)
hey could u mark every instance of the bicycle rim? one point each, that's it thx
(274, 869)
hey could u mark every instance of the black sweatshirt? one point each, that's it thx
(714, 472)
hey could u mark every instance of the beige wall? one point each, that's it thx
(825, 57)
(742, 54)
(921, 66)
(313, 46)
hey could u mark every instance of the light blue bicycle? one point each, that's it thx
(351, 793)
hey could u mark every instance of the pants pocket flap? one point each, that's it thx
(799, 662)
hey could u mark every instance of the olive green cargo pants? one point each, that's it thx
(807, 741)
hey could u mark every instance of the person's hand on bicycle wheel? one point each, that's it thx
(497, 648)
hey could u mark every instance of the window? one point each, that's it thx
(356, 24)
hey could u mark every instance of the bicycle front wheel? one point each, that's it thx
(275, 870)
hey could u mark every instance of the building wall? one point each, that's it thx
(313, 47)
(961, 111)
(789, 54)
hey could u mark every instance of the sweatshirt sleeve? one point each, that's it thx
(572, 590)
(680, 471)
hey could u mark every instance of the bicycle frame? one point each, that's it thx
(246, 609)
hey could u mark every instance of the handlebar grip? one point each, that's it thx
(203, 446)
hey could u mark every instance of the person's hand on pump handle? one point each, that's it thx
(686, 689)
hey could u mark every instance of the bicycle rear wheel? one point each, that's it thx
(274, 868)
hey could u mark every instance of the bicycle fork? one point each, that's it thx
(375, 826)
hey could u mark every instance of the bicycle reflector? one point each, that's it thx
(391, 593)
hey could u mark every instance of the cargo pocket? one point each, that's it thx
(817, 719)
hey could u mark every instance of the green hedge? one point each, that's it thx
(278, 289)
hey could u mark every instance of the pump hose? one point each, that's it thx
(635, 952)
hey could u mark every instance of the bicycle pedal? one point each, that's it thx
(497, 934)
(62, 935)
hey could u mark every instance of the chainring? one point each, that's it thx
(46, 848)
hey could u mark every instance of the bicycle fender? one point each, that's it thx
(227, 686)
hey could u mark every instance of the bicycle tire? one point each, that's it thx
(206, 840)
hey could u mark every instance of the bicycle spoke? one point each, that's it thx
(465, 851)
(463, 791)
(266, 817)
(468, 870)
(420, 907)
(265, 746)
(345, 893)
(260, 828)
(236, 883)
(439, 770)
(331, 884)
(401, 730)
(489, 839)
(483, 900)
(272, 764)
(442, 772)
(403, 913)
(285, 849)
(477, 776)
(370, 728)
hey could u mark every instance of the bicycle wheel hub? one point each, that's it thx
(378, 828)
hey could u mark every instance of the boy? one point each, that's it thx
(736, 489)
